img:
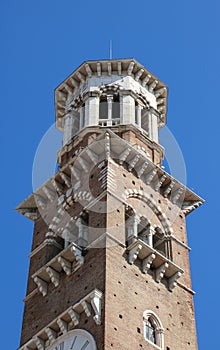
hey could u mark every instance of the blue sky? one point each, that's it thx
(42, 42)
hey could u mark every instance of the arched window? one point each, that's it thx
(103, 108)
(109, 110)
(159, 241)
(150, 331)
(153, 329)
(76, 231)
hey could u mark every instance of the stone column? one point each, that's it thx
(82, 121)
(159, 334)
(127, 109)
(132, 228)
(149, 236)
(68, 127)
(109, 101)
(92, 110)
(153, 127)
(139, 109)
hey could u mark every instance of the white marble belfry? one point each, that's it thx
(110, 93)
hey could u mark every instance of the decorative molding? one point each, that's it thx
(141, 169)
(130, 68)
(119, 68)
(43, 245)
(150, 316)
(40, 343)
(73, 87)
(30, 295)
(150, 176)
(152, 85)
(52, 334)
(133, 162)
(75, 317)
(122, 157)
(65, 264)
(86, 307)
(180, 242)
(123, 151)
(69, 260)
(133, 253)
(54, 276)
(172, 281)
(96, 298)
(187, 207)
(146, 263)
(107, 146)
(146, 80)
(63, 325)
(168, 189)
(151, 259)
(91, 304)
(88, 70)
(42, 285)
(129, 193)
(107, 178)
(66, 179)
(160, 271)
(159, 182)
(139, 74)
(187, 289)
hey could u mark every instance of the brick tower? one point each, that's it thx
(109, 265)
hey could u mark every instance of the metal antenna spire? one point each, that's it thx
(110, 49)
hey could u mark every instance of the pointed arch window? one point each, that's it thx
(153, 329)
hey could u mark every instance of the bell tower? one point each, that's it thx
(109, 265)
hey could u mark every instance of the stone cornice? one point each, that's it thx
(123, 152)
(43, 245)
(68, 260)
(152, 259)
(91, 304)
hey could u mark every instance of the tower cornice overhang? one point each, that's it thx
(170, 188)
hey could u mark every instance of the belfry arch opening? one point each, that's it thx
(140, 227)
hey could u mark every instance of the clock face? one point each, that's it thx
(75, 340)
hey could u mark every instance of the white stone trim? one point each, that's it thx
(52, 335)
(146, 263)
(124, 151)
(159, 330)
(74, 316)
(172, 281)
(43, 245)
(133, 253)
(72, 333)
(150, 257)
(63, 325)
(160, 272)
(91, 304)
(130, 193)
(31, 294)
(69, 260)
